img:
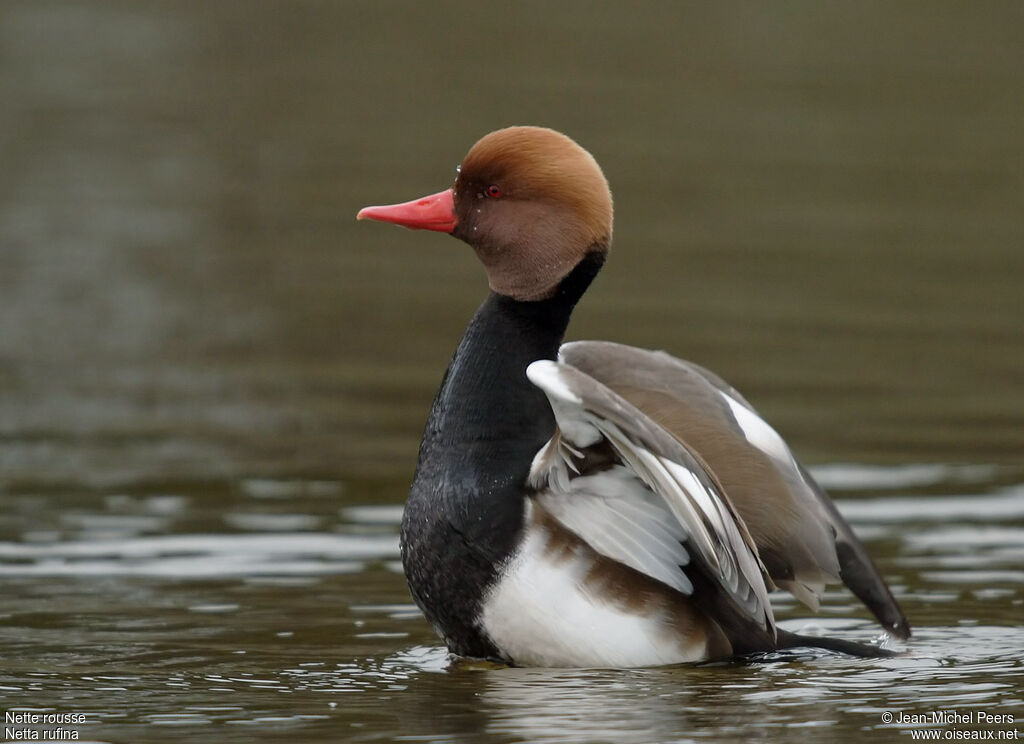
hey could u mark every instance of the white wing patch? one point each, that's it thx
(758, 432)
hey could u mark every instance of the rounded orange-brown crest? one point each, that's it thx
(532, 203)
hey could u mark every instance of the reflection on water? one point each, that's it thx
(213, 381)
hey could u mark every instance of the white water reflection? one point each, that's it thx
(1004, 505)
(195, 556)
(860, 477)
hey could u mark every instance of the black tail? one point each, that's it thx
(853, 648)
(859, 572)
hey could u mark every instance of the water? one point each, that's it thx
(287, 616)
(212, 380)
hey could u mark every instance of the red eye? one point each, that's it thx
(493, 191)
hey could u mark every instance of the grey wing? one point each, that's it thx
(637, 495)
(801, 538)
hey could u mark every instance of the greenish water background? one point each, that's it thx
(213, 381)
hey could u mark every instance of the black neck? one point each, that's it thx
(488, 421)
(486, 403)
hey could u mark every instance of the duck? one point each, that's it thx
(592, 504)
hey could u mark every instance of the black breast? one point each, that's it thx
(464, 514)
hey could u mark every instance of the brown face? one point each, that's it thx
(530, 201)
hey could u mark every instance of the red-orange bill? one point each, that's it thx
(434, 212)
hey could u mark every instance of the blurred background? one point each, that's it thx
(823, 202)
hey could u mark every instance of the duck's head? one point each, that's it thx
(530, 201)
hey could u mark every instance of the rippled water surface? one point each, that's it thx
(212, 381)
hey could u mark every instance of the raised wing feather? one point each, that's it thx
(668, 492)
(802, 540)
(624, 520)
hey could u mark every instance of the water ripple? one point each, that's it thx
(199, 555)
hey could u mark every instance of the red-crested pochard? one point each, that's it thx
(591, 504)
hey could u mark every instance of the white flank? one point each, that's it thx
(540, 613)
